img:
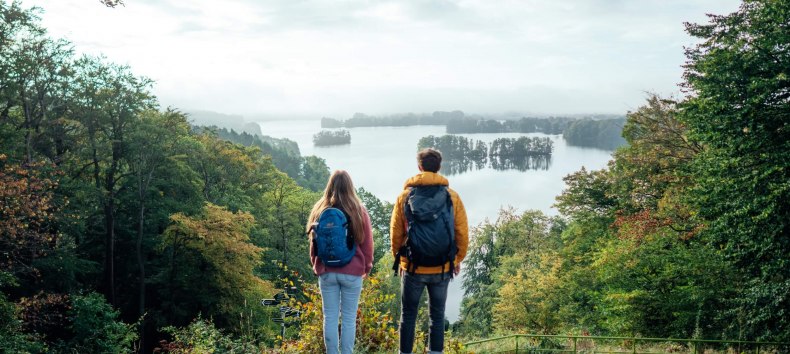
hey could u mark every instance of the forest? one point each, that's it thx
(602, 134)
(599, 132)
(394, 120)
(684, 235)
(550, 125)
(124, 228)
(310, 172)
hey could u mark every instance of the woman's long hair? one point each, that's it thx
(339, 193)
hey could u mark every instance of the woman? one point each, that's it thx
(341, 286)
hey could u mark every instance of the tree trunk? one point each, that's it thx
(109, 250)
(141, 263)
(142, 187)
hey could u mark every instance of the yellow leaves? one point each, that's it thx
(376, 331)
(530, 298)
(221, 238)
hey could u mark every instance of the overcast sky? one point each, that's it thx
(337, 57)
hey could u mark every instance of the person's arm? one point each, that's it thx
(313, 256)
(397, 229)
(461, 231)
(367, 244)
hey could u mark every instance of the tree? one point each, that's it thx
(109, 99)
(27, 217)
(497, 254)
(285, 207)
(380, 213)
(530, 299)
(314, 173)
(738, 79)
(227, 172)
(156, 141)
(14, 21)
(211, 263)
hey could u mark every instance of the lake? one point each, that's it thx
(380, 159)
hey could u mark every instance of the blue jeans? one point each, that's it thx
(411, 286)
(340, 294)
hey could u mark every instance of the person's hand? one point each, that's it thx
(457, 269)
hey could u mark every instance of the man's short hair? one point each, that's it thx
(430, 160)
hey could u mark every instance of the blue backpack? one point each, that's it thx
(332, 243)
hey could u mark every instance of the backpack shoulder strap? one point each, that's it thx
(406, 207)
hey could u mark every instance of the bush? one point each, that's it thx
(68, 323)
(96, 327)
(12, 339)
(201, 336)
(376, 331)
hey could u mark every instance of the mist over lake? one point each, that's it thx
(380, 159)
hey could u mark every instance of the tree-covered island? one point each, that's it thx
(332, 137)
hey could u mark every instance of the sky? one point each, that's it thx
(316, 58)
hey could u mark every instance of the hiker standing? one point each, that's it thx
(430, 235)
(341, 251)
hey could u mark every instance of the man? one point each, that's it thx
(430, 235)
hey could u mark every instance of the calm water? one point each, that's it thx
(380, 159)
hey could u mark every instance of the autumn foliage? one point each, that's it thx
(27, 215)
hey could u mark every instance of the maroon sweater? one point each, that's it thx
(362, 262)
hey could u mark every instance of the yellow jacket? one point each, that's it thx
(398, 222)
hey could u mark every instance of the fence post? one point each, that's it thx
(633, 345)
(695, 347)
(516, 343)
(758, 348)
(574, 345)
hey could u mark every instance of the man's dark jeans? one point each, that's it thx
(411, 286)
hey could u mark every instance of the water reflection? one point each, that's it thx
(458, 166)
(521, 163)
(500, 163)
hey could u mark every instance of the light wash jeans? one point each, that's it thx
(340, 293)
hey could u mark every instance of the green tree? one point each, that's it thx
(211, 263)
(380, 213)
(110, 98)
(227, 172)
(632, 231)
(314, 173)
(285, 207)
(497, 253)
(739, 80)
(157, 142)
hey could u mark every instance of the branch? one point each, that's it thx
(112, 3)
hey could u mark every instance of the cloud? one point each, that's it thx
(336, 57)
